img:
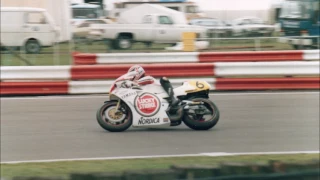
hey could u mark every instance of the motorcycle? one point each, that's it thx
(148, 106)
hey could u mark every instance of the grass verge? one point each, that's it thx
(63, 169)
(64, 50)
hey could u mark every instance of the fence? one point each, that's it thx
(257, 41)
(60, 53)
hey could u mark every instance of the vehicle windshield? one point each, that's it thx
(210, 23)
(85, 13)
(295, 9)
(193, 9)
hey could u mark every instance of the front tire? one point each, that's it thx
(114, 122)
(198, 121)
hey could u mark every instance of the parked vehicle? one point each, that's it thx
(30, 28)
(82, 12)
(156, 28)
(101, 3)
(300, 18)
(251, 26)
(83, 31)
(216, 27)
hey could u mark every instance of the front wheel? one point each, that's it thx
(203, 118)
(112, 120)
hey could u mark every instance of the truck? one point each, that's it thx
(61, 15)
(190, 9)
(155, 28)
(27, 27)
(300, 23)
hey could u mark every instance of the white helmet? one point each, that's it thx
(139, 72)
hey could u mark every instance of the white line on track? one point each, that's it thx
(213, 154)
(106, 95)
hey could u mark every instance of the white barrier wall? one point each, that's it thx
(35, 72)
(311, 54)
(129, 58)
(267, 68)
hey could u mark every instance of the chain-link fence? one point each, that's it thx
(60, 53)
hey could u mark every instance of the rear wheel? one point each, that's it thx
(112, 120)
(32, 47)
(203, 118)
(124, 42)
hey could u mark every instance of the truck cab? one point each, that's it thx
(85, 11)
(154, 28)
(300, 23)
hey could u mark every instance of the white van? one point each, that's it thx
(30, 28)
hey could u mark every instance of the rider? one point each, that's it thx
(139, 77)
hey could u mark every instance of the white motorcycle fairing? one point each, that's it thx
(148, 109)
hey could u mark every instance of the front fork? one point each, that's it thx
(118, 110)
(117, 107)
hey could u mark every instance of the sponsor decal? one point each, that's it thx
(147, 104)
(143, 121)
(165, 119)
(128, 95)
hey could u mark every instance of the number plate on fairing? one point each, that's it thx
(198, 86)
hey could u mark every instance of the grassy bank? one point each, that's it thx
(63, 169)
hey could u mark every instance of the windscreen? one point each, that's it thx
(84, 13)
(296, 9)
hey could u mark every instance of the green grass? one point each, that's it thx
(64, 50)
(63, 169)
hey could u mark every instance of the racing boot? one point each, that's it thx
(169, 89)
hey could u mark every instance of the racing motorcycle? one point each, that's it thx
(148, 106)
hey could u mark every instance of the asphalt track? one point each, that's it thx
(44, 128)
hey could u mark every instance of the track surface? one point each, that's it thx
(65, 127)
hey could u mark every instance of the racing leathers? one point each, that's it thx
(164, 82)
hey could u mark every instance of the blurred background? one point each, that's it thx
(49, 34)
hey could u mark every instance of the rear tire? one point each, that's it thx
(124, 42)
(111, 122)
(207, 124)
(32, 47)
